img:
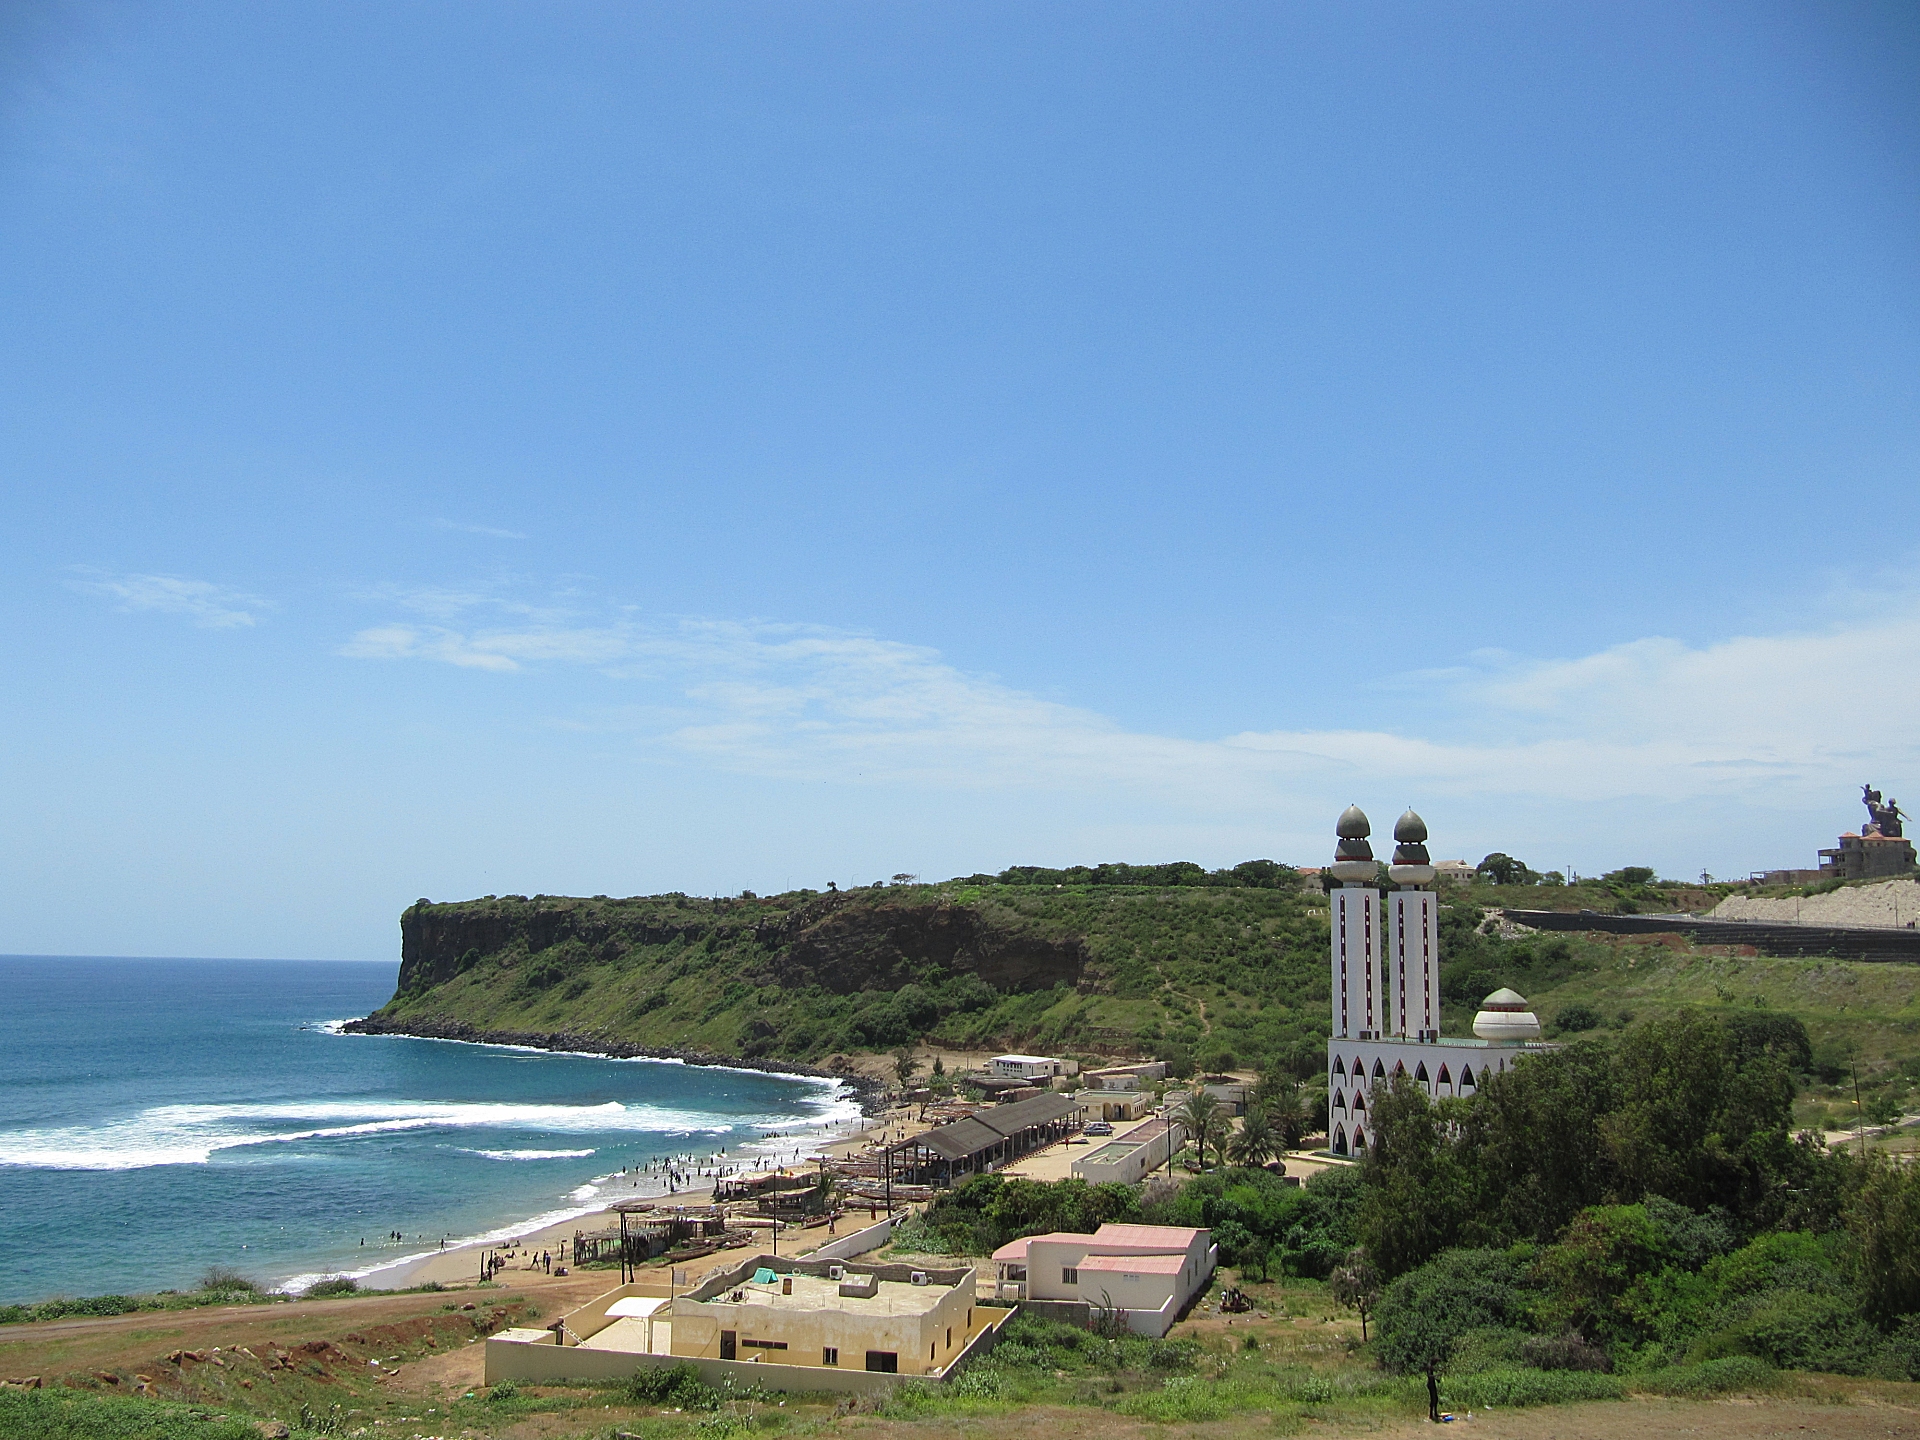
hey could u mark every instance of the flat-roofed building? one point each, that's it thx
(1142, 1276)
(1128, 1159)
(887, 1318)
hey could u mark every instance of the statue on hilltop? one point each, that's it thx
(1885, 815)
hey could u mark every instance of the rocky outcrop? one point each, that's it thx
(883, 947)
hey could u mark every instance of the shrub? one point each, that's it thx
(1570, 1351)
(1710, 1377)
(678, 1385)
(1532, 1387)
(332, 1285)
(1574, 1018)
(1184, 1400)
(221, 1279)
(508, 1389)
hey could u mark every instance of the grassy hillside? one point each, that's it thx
(1202, 973)
(1219, 970)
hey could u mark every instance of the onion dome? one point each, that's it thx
(1353, 862)
(1412, 866)
(1505, 1019)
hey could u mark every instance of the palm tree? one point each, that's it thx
(1199, 1115)
(1287, 1115)
(1256, 1143)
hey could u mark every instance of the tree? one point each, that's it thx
(905, 1065)
(1279, 1095)
(1422, 1316)
(1256, 1143)
(1503, 869)
(1356, 1285)
(1885, 1220)
(1419, 1194)
(939, 1067)
(1199, 1115)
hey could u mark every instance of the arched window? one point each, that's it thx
(1398, 1068)
(1466, 1077)
(1339, 1139)
(1379, 1071)
(1359, 1068)
(1359, 1141)
(1359, 1102)
(1338, 1068)
(1338, 1102)
(1444, 1079)
(1420, 1072)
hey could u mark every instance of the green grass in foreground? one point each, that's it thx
(74, 1415)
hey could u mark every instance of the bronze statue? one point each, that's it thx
(1885, 816)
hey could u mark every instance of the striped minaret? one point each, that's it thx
(1413, 928)
(1359, 998)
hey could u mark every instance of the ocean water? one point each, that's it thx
(158, 1117)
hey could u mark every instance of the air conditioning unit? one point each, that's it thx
(919, 1277)
(836, 1272)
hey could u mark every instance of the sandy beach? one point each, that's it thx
(523, 1250)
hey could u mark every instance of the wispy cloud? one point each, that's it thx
(211, 606)
(491, 530)
(1653, 719)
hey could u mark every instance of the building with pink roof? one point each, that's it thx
(1142, 1276)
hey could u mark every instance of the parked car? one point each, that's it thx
(1099, 1127)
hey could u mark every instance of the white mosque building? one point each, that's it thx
(1386, 987)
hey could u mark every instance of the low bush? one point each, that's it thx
(1531, 1387)
(1709, 1377)
(508, 1389)
(1183, 1400)
(221, 1280)
(675, 1385)
(332, 1285)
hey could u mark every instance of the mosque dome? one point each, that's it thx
(1504, 1017)
(1410, 829)
(1353, 824)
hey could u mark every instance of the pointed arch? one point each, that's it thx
(1338, 1068)
(1444, 1079)
(1359, 1141)
(1420, 1072)
(1466, 1076)
(1339, 1139)
(1379, 1071)
(1399, 1068)
(1359, 1102)
(1339, 1103)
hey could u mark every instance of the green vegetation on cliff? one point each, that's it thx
(1205, 969)
(1197, 967)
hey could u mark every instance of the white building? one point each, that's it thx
(1040, 1068)
(1141, 1275)
(1386, 988)
(1128, 1159)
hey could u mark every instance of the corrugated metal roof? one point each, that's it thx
(991, 1126)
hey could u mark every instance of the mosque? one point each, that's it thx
(1386, 987)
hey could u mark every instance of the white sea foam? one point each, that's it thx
(193, 1134)
(527, 1154)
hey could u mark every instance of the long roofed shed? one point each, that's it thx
(981, 1141)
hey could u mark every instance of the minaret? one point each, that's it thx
(1413, 931)
(1355, 921)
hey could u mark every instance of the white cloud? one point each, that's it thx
(214, 607)
(1653, 718)
(489, 530)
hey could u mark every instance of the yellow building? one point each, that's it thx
(891, 1319)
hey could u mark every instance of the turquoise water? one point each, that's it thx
(161, 1116)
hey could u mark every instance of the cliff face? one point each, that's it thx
(807, 977)
(841, 949)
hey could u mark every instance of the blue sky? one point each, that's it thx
(463, 449)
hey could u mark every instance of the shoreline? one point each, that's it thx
(866, 1089)
(458, 1262)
